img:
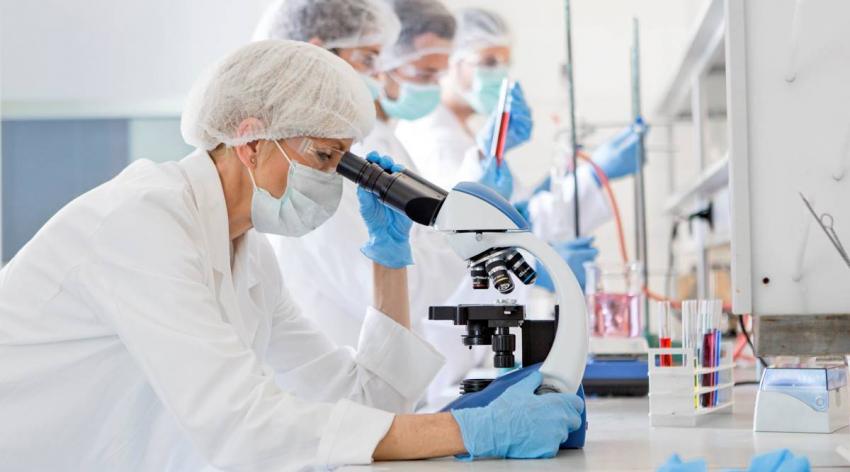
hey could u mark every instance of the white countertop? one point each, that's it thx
(621, 439)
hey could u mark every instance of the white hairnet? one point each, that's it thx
(337, 23)
(293, 88)
(418, 17)
(479, 29)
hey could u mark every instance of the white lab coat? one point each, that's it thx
(446, 153)
(129, 343)
(331, 254)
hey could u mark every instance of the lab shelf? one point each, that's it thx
(709, 181)
(703, 56)
(697, 93)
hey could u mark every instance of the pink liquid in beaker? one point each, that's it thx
(617, 314)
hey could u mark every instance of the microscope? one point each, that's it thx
(486, 231)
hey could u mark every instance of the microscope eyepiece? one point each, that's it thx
(405, 191)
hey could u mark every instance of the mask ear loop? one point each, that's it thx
(285, 155)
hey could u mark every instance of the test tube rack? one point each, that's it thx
(675, 391)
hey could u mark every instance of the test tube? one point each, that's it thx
(690, 331)
(690, 315)
(717, 315)
(707, 357)
(665, 339)
(500, 131)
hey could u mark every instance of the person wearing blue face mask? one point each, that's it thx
(443, 145)
(412, 67)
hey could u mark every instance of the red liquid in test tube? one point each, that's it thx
(663, 316)
(707, 361)
(666, 359)
(498, 149)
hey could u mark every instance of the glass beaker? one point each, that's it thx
(615, 299)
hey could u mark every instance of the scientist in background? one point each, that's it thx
(413, 55)
(142, 327)
(447, 150)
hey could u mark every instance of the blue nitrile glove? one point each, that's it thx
(618, 157)
(675, 464)
(519, 126)
(520, 424)
(498, 178)
(575, 254)
(781, 460)
(389, 230)
(543, 186)
(522, 207)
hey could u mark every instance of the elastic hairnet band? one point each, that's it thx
(366, 40)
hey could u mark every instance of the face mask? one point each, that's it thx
(310, 199)
(414, 101)
(483, 97)
(373, 85)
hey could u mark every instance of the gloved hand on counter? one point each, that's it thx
(575, 253)
(619, 156)
(498, 178)
(676, 464)
(520, 424)
(519, 126)
(389, 230)
(781, 460)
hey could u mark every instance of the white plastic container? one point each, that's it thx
(676, 392)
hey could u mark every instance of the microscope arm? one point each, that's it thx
(475, 220)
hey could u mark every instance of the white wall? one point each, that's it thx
(98, 55)
(140, 57)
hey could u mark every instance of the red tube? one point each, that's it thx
(503, 133)
(666, 359)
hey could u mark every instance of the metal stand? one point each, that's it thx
(640, 193)
(572, 111)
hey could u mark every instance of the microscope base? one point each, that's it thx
(627, 376)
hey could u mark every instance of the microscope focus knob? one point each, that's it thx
(504, 342)
(503, 347)
(504, 360)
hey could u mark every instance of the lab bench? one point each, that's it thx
(621, 439)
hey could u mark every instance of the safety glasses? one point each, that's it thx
(368, 61)
(411, 73)
(323, 157)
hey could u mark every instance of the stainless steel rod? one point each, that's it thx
(640, 190)
(572, 112)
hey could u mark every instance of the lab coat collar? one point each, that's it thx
(209, 196)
